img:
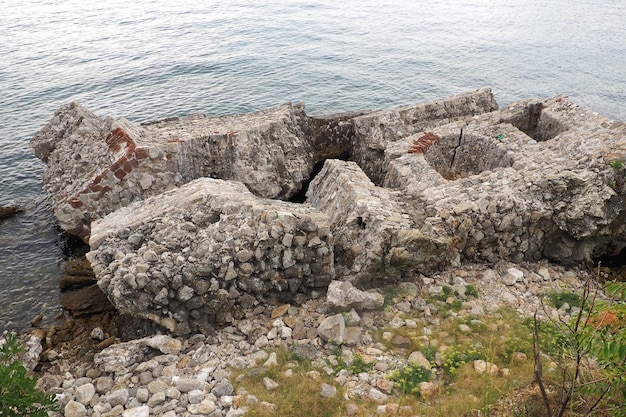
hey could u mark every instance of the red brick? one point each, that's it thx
(75, 202)
(141, 153)
(119, 173)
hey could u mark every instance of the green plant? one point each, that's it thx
(617, 163)
(457, 305)
(347, 318)
(409, 377)
(388, 295)
(596, 334)
(471, 291)
(357, 366)
(429, 352)
(558, 299)
(454, 357)
(18, 393)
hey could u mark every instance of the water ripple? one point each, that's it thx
(150, 59)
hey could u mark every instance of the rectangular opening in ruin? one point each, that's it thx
(536, 123)
(455, 157)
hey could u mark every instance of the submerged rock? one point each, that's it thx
(8, 211)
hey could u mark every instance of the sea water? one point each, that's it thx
(149, 59)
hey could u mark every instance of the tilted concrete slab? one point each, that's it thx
(97, 165)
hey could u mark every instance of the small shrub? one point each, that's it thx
(429, 353)
(558, 299)
(409, 378)
(457, 305)
(553, 341)
(617, 163)
(453, 358)
(471, 291)
(357, 366)
(18, 394)
(389, 294)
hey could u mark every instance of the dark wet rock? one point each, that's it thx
(86, 300)
(77, 273)
(9, 211)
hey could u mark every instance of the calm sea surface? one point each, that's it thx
(158, 58)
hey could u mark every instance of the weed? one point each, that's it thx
(471, 291)
(454, 357)
(617, 163)
(429, 353)
(296, 394)
(409, 378)
(388, 295)
(457, 305)
(558, 299)
(357, 366)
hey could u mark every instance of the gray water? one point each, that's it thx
(150, 59)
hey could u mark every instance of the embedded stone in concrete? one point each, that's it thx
(376, 240)
(188, 257)
(536, 179)
(97, 165)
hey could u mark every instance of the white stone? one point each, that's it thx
(85, 393)
(75, 409)
(328, 391)
(141, 411)
(269, 384)
(271, 361)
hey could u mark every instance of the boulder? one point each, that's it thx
(343, 296)
(119, 357)
(85, 301)
(189, 257)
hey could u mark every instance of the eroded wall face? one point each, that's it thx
(418, 188)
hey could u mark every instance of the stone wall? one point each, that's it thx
(198, 254)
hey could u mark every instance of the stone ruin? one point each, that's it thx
(189, 219)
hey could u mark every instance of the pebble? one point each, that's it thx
(269, 384)
(158, 385)
(328, 391)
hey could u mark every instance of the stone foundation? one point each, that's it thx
(418, 188)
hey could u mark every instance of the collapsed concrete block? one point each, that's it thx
(536, 179)
(376, 241)
(195, 255)
(97, 165)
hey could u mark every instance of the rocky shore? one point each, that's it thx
(226, 249)
(198, 374)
